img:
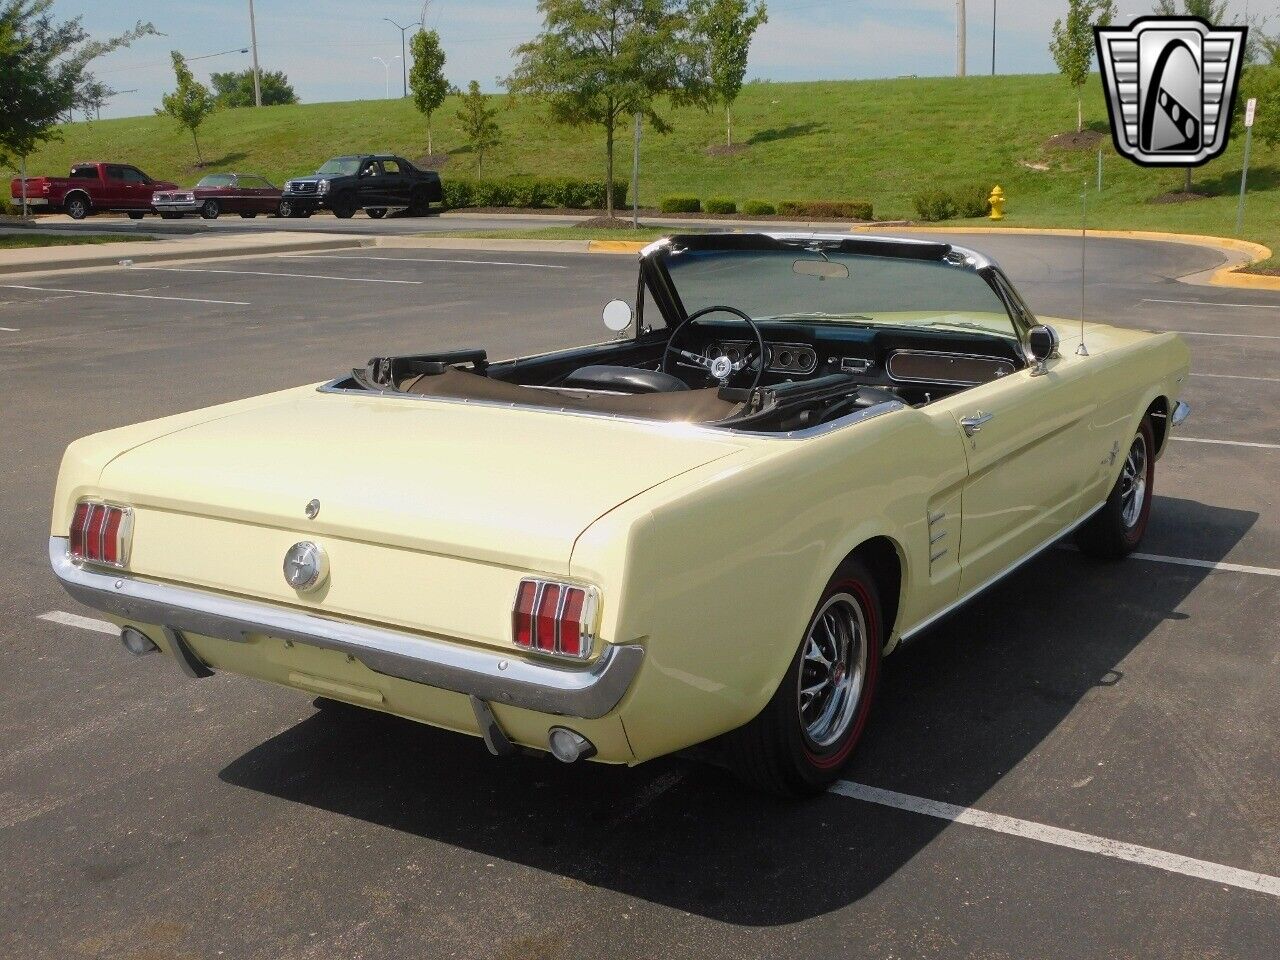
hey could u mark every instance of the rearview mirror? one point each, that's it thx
(617, 315)
(1042, 344)
(822, 269)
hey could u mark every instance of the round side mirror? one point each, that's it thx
(617, 315)
(1042, 342)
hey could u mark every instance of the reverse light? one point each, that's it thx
(101, 533)
(555, 618)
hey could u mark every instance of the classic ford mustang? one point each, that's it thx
(798, 452)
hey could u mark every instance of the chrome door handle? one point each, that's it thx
(974, 423)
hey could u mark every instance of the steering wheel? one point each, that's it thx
(721, 368)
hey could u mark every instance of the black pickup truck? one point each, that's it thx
(371, 182)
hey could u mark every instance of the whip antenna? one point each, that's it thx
(1082, 350)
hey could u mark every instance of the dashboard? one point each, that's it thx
(907, 359)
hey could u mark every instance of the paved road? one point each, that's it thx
(146, 815)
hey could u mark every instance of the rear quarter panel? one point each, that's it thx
(718, 572)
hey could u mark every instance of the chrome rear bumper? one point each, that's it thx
(589, 692)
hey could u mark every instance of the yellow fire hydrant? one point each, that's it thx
(997, 203)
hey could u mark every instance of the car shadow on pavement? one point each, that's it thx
(959, 708)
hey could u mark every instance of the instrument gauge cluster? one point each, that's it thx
(783, 357)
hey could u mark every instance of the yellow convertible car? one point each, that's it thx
(796, 453)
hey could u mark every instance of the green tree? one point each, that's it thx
(728, 27)
(44, 73)
(479, 123)
(598, 62)
(426, 79)
(1072, 44)
(235, 88)
(190, 103)
(1215, 12)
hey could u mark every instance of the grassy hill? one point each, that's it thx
(882, 140)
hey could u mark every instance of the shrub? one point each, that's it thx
(680, 205)
(835, 209)
(971, 200)
(526, 191)
(759, 208)
(720, 205)
(934, 205)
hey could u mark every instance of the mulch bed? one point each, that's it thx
(1084, 140)
(605, 223)
(725, 149)
(1178, 196)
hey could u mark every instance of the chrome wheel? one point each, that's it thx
(1133, 483)
(833, 670)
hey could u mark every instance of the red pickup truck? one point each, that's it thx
(92, 187)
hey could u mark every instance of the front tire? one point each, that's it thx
(247, 216)
(1116, 530)
(136, 214)
(210, 210)
(377, 213)
(801, 740)
(170, 215)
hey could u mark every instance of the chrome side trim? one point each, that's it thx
(710, 430)
(1181, 411)
(992, 581)
(492, 675)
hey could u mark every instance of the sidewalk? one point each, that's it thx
(81, 256)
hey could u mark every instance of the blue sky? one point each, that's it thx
(327, 46)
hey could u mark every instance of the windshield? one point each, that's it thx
(217, 180)
(346, 166)
(804, 286)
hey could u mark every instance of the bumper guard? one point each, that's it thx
(494, 676)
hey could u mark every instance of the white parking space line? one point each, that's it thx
(83, 623)
(1058, 837)
(132, 296)
(1229, 443)
(1219, 303)
(1235, 376)
(486, 263)
(266, 273)
(1239, 336)
(1207, 564)
(10, 329)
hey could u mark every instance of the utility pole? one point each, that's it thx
(253, 38)
(635, 177)
(993, 37)
(404, 68)
(960, 38)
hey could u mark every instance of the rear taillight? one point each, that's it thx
(555, 618)
(101, 533)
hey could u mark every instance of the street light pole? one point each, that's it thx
(960, 38)
(253, 38)
(386, 68)
(404, 62)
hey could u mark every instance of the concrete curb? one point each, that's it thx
(1242, 252)
(89, 256)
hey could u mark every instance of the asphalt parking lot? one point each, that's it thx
(1083, 763)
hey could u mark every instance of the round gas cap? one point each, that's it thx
(306, 566)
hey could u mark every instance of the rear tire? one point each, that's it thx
(210, 210)
(247, 216)
(377, 213)
(420, 203)
(170, 216)
(136, 214)
(77, 206)
(804, 736)
(1116, 530)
